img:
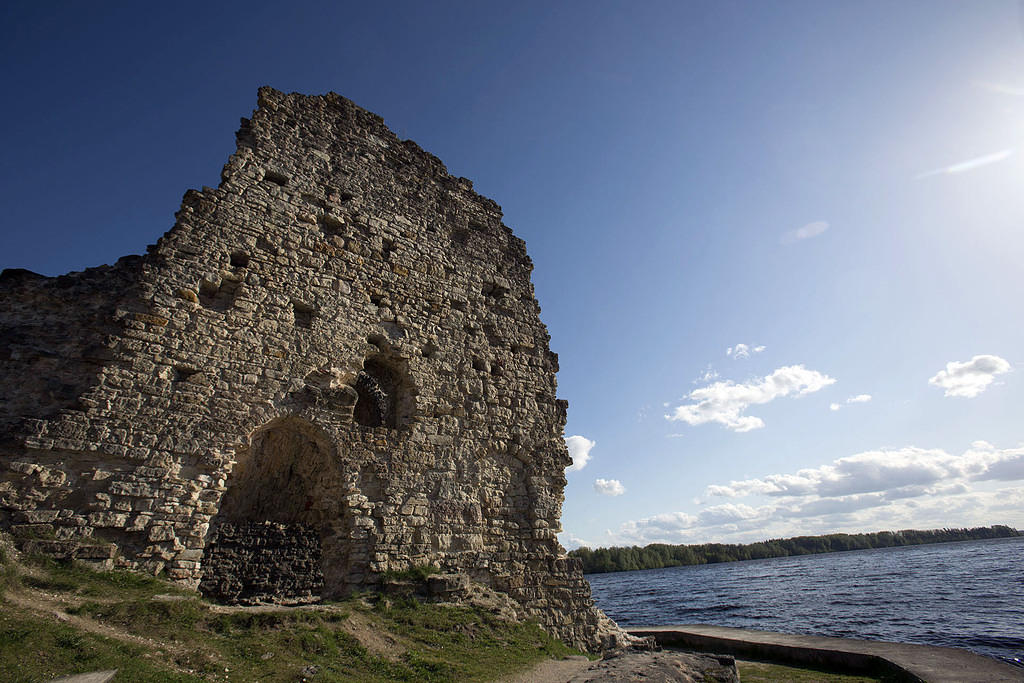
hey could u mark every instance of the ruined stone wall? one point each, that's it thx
(340, 337)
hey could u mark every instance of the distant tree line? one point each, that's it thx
(658, 555)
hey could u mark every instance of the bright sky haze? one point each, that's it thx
(778, 245)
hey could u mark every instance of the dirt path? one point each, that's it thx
(52, 607)
(551, 671)
(651, 667)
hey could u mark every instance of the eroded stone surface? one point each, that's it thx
(339, 337)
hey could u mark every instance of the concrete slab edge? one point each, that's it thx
(854, 662)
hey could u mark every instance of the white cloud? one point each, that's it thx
(859, 398)
(609, 487)
(810, 230)
(969, 378)
(969, 164)
(579, 449)
(742, 351)
(884, 489)
(570, 541)
(708, 375)
(884, 471)
(729, 513)
(724, 402)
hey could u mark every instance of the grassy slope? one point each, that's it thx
(57, 620)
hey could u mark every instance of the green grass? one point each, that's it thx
(48, 574)
(416, 573)
(762, 672)
(35, 649)
(159, 632)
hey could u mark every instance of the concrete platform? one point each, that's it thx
(898, 660)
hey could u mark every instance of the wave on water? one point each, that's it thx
(968, 595)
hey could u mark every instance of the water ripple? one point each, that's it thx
(968, 595)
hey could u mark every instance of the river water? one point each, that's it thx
(968, 595)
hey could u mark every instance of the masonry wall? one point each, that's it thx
(340, 337)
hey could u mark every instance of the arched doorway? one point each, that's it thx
(278, 520)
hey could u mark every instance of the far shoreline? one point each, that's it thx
(665, 556)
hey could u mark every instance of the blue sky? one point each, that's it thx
(778, 245)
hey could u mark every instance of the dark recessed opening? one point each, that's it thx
(218, 296)
(331, 224)
(276, 177)
(304, 314)
(493, 290)
(183, 373)
(480, 364)
(239, 259)
(385, 395)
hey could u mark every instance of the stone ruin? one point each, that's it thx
(331, 367)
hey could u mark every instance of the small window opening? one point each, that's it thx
(220, 295)
(239, 259)
(493, 290)
(184, 374)
(331, 224)
(304, 314)
(375, 387)
(385, 394)
(276, 177)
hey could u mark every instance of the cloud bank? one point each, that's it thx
(967, 379)
(725, 402)
(880, 489)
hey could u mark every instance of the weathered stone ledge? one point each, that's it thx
(902, 661)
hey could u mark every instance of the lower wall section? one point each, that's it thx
(253, 562)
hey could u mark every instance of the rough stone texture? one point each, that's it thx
(340, 337)
(257, 562)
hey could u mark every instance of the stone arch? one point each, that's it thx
(281, 533)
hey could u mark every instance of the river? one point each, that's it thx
(968, 594)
